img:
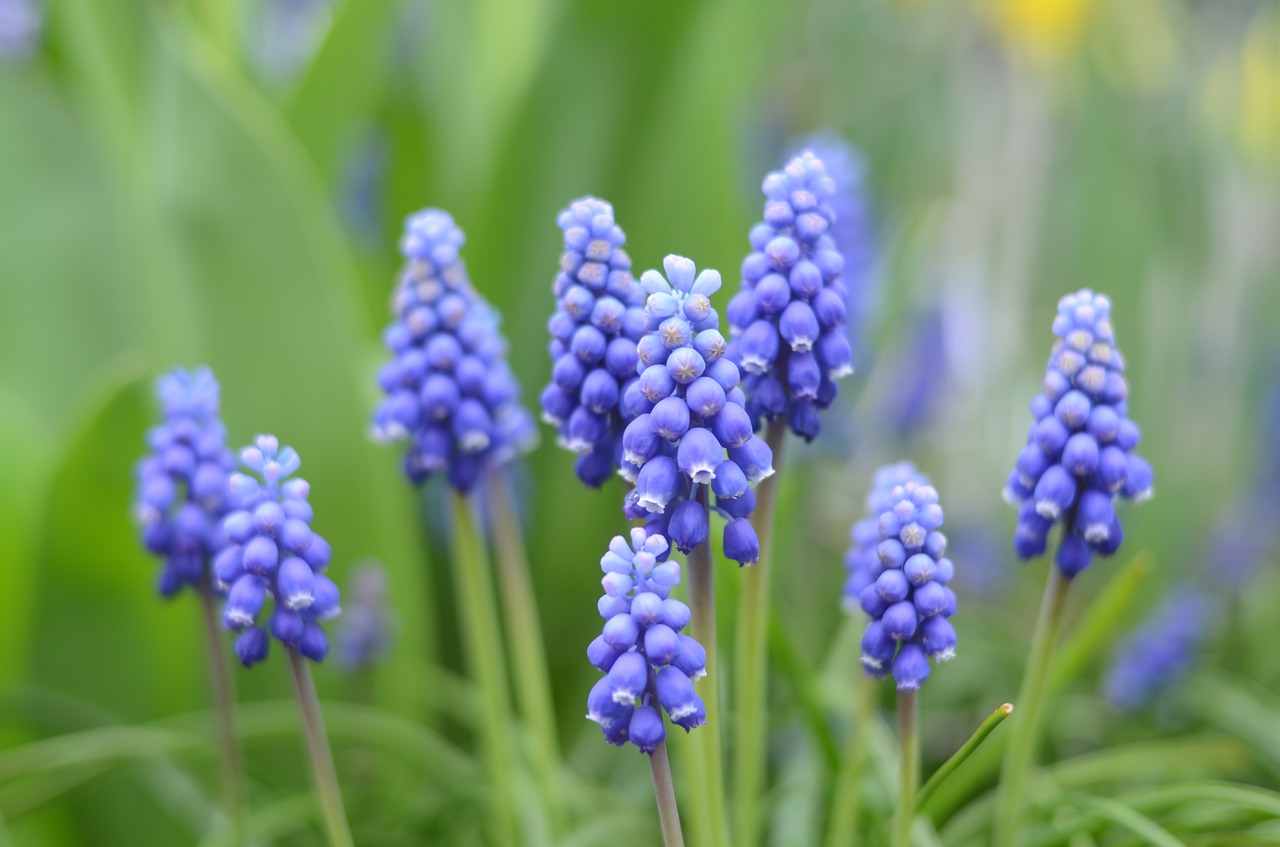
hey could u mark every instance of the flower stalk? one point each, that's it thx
(222, 690)
(909, 741)
(847, 800)
(665, 793)
(326, 777)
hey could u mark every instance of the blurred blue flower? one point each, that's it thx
(646, 659)
(182, 482)
(788, 320)
(284, 34)
(917, 377)
(367, 622)
(905, 590)
(599, 318)
(450, 392)
(1079, 452)
(1157, 654)
(271, 552)
(20, 24)
(689, 412)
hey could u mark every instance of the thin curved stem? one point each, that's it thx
(751, 690)
(966, 750)
(222, 690)
(1020, 754)
(665, 792)
(702, 603)
(322, 769)
(909, 741)
(482, 643)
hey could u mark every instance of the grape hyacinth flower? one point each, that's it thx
(272, 553)
(907, 595)
(365, 636)
(1079, 452)
(599, 318)
(690, 411)
(647, 661)
(450, 392)
(1159, 652)
(182, 482)
(862, 561)
(788, 321)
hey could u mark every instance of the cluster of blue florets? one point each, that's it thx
(862, 560)
(788, 321)
(598, 321)
(449, 390)
(689, 411)
(1159, 652)
(271, 551)
(647, 661)
(1079, 452)
(367, 622)
(182, 482)
(906, 594)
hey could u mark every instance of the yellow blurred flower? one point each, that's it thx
(1044, 30)
(1240, 98)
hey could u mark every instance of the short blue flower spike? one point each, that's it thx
(450, 392)
(182, 482)
(788, 321)
(1080, 449)
(272, 553)
(598, 320)
(1158, 653)
(904, 589)
(861, 560)
(647, 660)
(691, 433)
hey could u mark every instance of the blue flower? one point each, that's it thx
(1079, 452)
(450, 392)
(646, 658)
(788, 321)
(904, 587)
(1159, 652)
(182, 482)
(598, 320)
(21, 22)
(271, 552)
(691, 432)
(861, 561)
(366, 633)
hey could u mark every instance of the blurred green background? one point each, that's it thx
(222, 182)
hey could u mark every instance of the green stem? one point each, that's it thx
(702, 603)
(665, 792)
(751, 692)
(326, 778)
(224, 714)
(524, 637)
(483, 649)
(1020, 754)
(966, 750)
(847, 801)
(909, 741)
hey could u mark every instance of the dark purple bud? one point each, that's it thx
(754, 457)
(313, 644)
(1073, 555)
(910, 667)
(1055, 492)
(295, 584)
(646, 729)
(799, 326)
(730, 482)
(732, 426)
(803, 375)
(741, 544)
(252, 646)
(688, 527)
(675, 693)
(899, 620)
(657, 484)
(691, 658)
(878, 648)
(670, 418)
(938, 638)
(759, 347)
(699, 455)
(1138, 479)
(661, 644)
(628, 678)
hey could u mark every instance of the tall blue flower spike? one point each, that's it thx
(450, 392)
(646, 659)
(599, 318)
(690, 411)
(272, 553)
(788, 321)
(182, 482)
(854, 228)
(861, 560)
(1079, 452)
(367, 624)
(1158, 653)
(906, 593)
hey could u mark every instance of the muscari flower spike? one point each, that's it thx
(690, 411)
(788, 321)
(599, 318)
(272, 552)
(861, 560)
(647, 661)
(182, 482)
(450, 392)
(1079, 452)
(906, 594)
(1158, 653)
(367, 624)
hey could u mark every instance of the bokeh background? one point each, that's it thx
(222, 182)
